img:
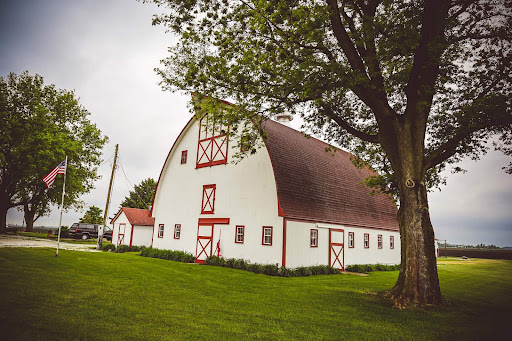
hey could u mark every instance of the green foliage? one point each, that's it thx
(108, 247)
(128, 248)
(270, 269)
(179, 256)
(142, 195)
(93, 215)
(365, 268)
(41, 125)
(64, 232)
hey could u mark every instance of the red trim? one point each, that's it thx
(364, 240)
(332, 250)
(119, 239)
(209, 200)
(203, 247)
(175, 227)
(263, 235)
(295, 218)
(211, 143)
(379, 246)
(283, 261)
(211, 221)
(184, 153)
(158, 231)
(353, 240)
(192, 119)
(391, 242)
(131, 237)
(311, 238)
(153, 236)
(236, 234)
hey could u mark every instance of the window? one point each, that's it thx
(177, 231)
(351, 239)
(379, 241)
(184, 156)
(366, 240)
(208, 204)
(212, 148)
(239, 234)
(391, 242)
(267, 235)
(161, 231)
(313, 238)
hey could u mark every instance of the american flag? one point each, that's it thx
(50, 178)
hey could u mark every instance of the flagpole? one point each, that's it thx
(62, 204)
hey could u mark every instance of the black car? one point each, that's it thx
(86, 231)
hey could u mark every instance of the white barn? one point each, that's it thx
(132, 226)
(291, 204)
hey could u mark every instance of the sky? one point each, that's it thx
(106, 50)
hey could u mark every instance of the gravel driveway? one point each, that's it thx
(21, 241)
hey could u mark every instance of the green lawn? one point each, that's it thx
(40, 235)
(86, 296)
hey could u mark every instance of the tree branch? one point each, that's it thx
(327, 111)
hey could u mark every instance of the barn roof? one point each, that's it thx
(136, 216)
(321, 186)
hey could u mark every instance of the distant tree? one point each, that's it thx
(409, 87)
(142, 195)
(92, 216)
(40, 126)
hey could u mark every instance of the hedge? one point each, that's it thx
(364, 268)
(121, 248)
(178, 256)
(270, 269)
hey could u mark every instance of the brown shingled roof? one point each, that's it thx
(316, 185)
(136, 216)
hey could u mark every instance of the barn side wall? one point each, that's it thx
(142, 235)
(300, 253)
(121, 219)
(245, 193)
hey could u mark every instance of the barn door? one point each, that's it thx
(336, 249)
(120, 238)
(204, 243)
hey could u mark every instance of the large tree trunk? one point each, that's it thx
(4, 207)
(29, 217)
(418, 282)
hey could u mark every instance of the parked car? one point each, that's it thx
(86, 231)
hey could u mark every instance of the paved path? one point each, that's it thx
(21, 241)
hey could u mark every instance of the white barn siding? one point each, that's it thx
(245, 193)
(142, 235)
(121, 219)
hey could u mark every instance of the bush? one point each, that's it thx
(64, 232)
(178, 256)
(365, 268)
(108, 247)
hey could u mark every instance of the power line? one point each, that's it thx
(130, 184)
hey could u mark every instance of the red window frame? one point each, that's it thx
(184, 157)
(351, 240)
(366, 240)
(311, 238)
(391, 242)
(160, 230)
(209, 145)
(271, 228)
(236, 234)
(177, 228)
(379, 241)
(208, 206)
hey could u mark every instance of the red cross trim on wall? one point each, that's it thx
(212, 147)
(208, 203)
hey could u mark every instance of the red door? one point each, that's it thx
(336, 249)
(204, 243)
(120, 238)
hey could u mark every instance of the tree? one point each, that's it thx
(408, 86)
(40, 126)
(94, 215)
(142, 195)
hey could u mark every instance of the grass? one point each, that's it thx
(82, 295)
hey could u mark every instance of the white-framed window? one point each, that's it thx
(184, 156)
(366, 240)
(391, 242)
(313, 238)
(351, 239)
(177, 231)
(239, 234)
(266, 238)
(379, 241)
(161, 231)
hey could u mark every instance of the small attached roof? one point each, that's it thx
(316, 185)
(136, 216)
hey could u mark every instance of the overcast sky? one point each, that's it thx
(106, 51)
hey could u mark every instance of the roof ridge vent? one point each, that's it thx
(284, 119)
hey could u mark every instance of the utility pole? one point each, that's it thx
(100, 237)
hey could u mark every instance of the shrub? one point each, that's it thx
(365, 268)
(108, 247)
(179, 256)
(127, 248)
